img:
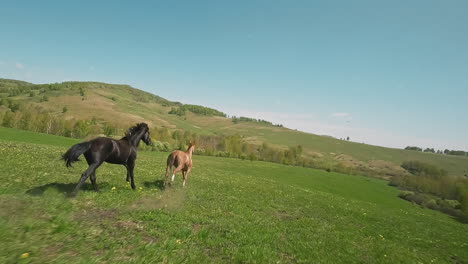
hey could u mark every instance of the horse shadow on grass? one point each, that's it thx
(65, 188)
(156, 184)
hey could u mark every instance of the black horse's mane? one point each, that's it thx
(134, 129)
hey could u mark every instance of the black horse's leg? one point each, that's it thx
(92, 177)
(90, 170)
(132, 183)
(93, 181)
(130, 166)
(128, 173)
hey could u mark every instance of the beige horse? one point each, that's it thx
(182, 161)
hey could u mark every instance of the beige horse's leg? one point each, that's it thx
(176, 170)
(168, 169)
(185, 174)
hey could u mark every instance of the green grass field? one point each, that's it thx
(230, 211)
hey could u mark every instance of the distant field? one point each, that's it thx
(230, 211)
(12, 134)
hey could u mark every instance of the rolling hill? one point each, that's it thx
(126, 105)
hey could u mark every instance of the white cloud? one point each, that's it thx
(19, 66)
(340, 114)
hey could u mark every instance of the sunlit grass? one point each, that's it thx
(230, 211)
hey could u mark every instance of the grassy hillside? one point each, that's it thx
(125, 105)
(230, 211)
(12, 134)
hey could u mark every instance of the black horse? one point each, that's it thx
(98, 150)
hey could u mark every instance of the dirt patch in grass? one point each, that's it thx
(196, 228)
(312, 154)
(389, 169)
(171, 199)
(11, 206)
(377, 168)
(53, 251)
(288, 258)
(349, 161)
(253, 140)
(136, 227)
(284, 215)
(95, 214)
(129, 225)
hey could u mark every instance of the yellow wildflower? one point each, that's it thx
(24, 255)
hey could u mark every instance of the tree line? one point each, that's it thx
(34, 119)
(431, 187)
(196, 109)
(446, 151)
(236, 120)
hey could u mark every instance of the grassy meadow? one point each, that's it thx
(231, 211)
(126, 105)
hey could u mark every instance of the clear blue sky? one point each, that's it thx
(391, 73)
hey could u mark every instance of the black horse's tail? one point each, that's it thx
(74, 152)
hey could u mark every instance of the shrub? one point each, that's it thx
(463, 197)
(405, 194)
(160, 146)
(453, 204)
(109, 130)
(450, 207)
(413, 148)
(81, 129)
(423, 169)
(430, 203)
(201, 110)
(177, 111)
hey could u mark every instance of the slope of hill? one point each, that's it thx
(125, 105)
(230, 211)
